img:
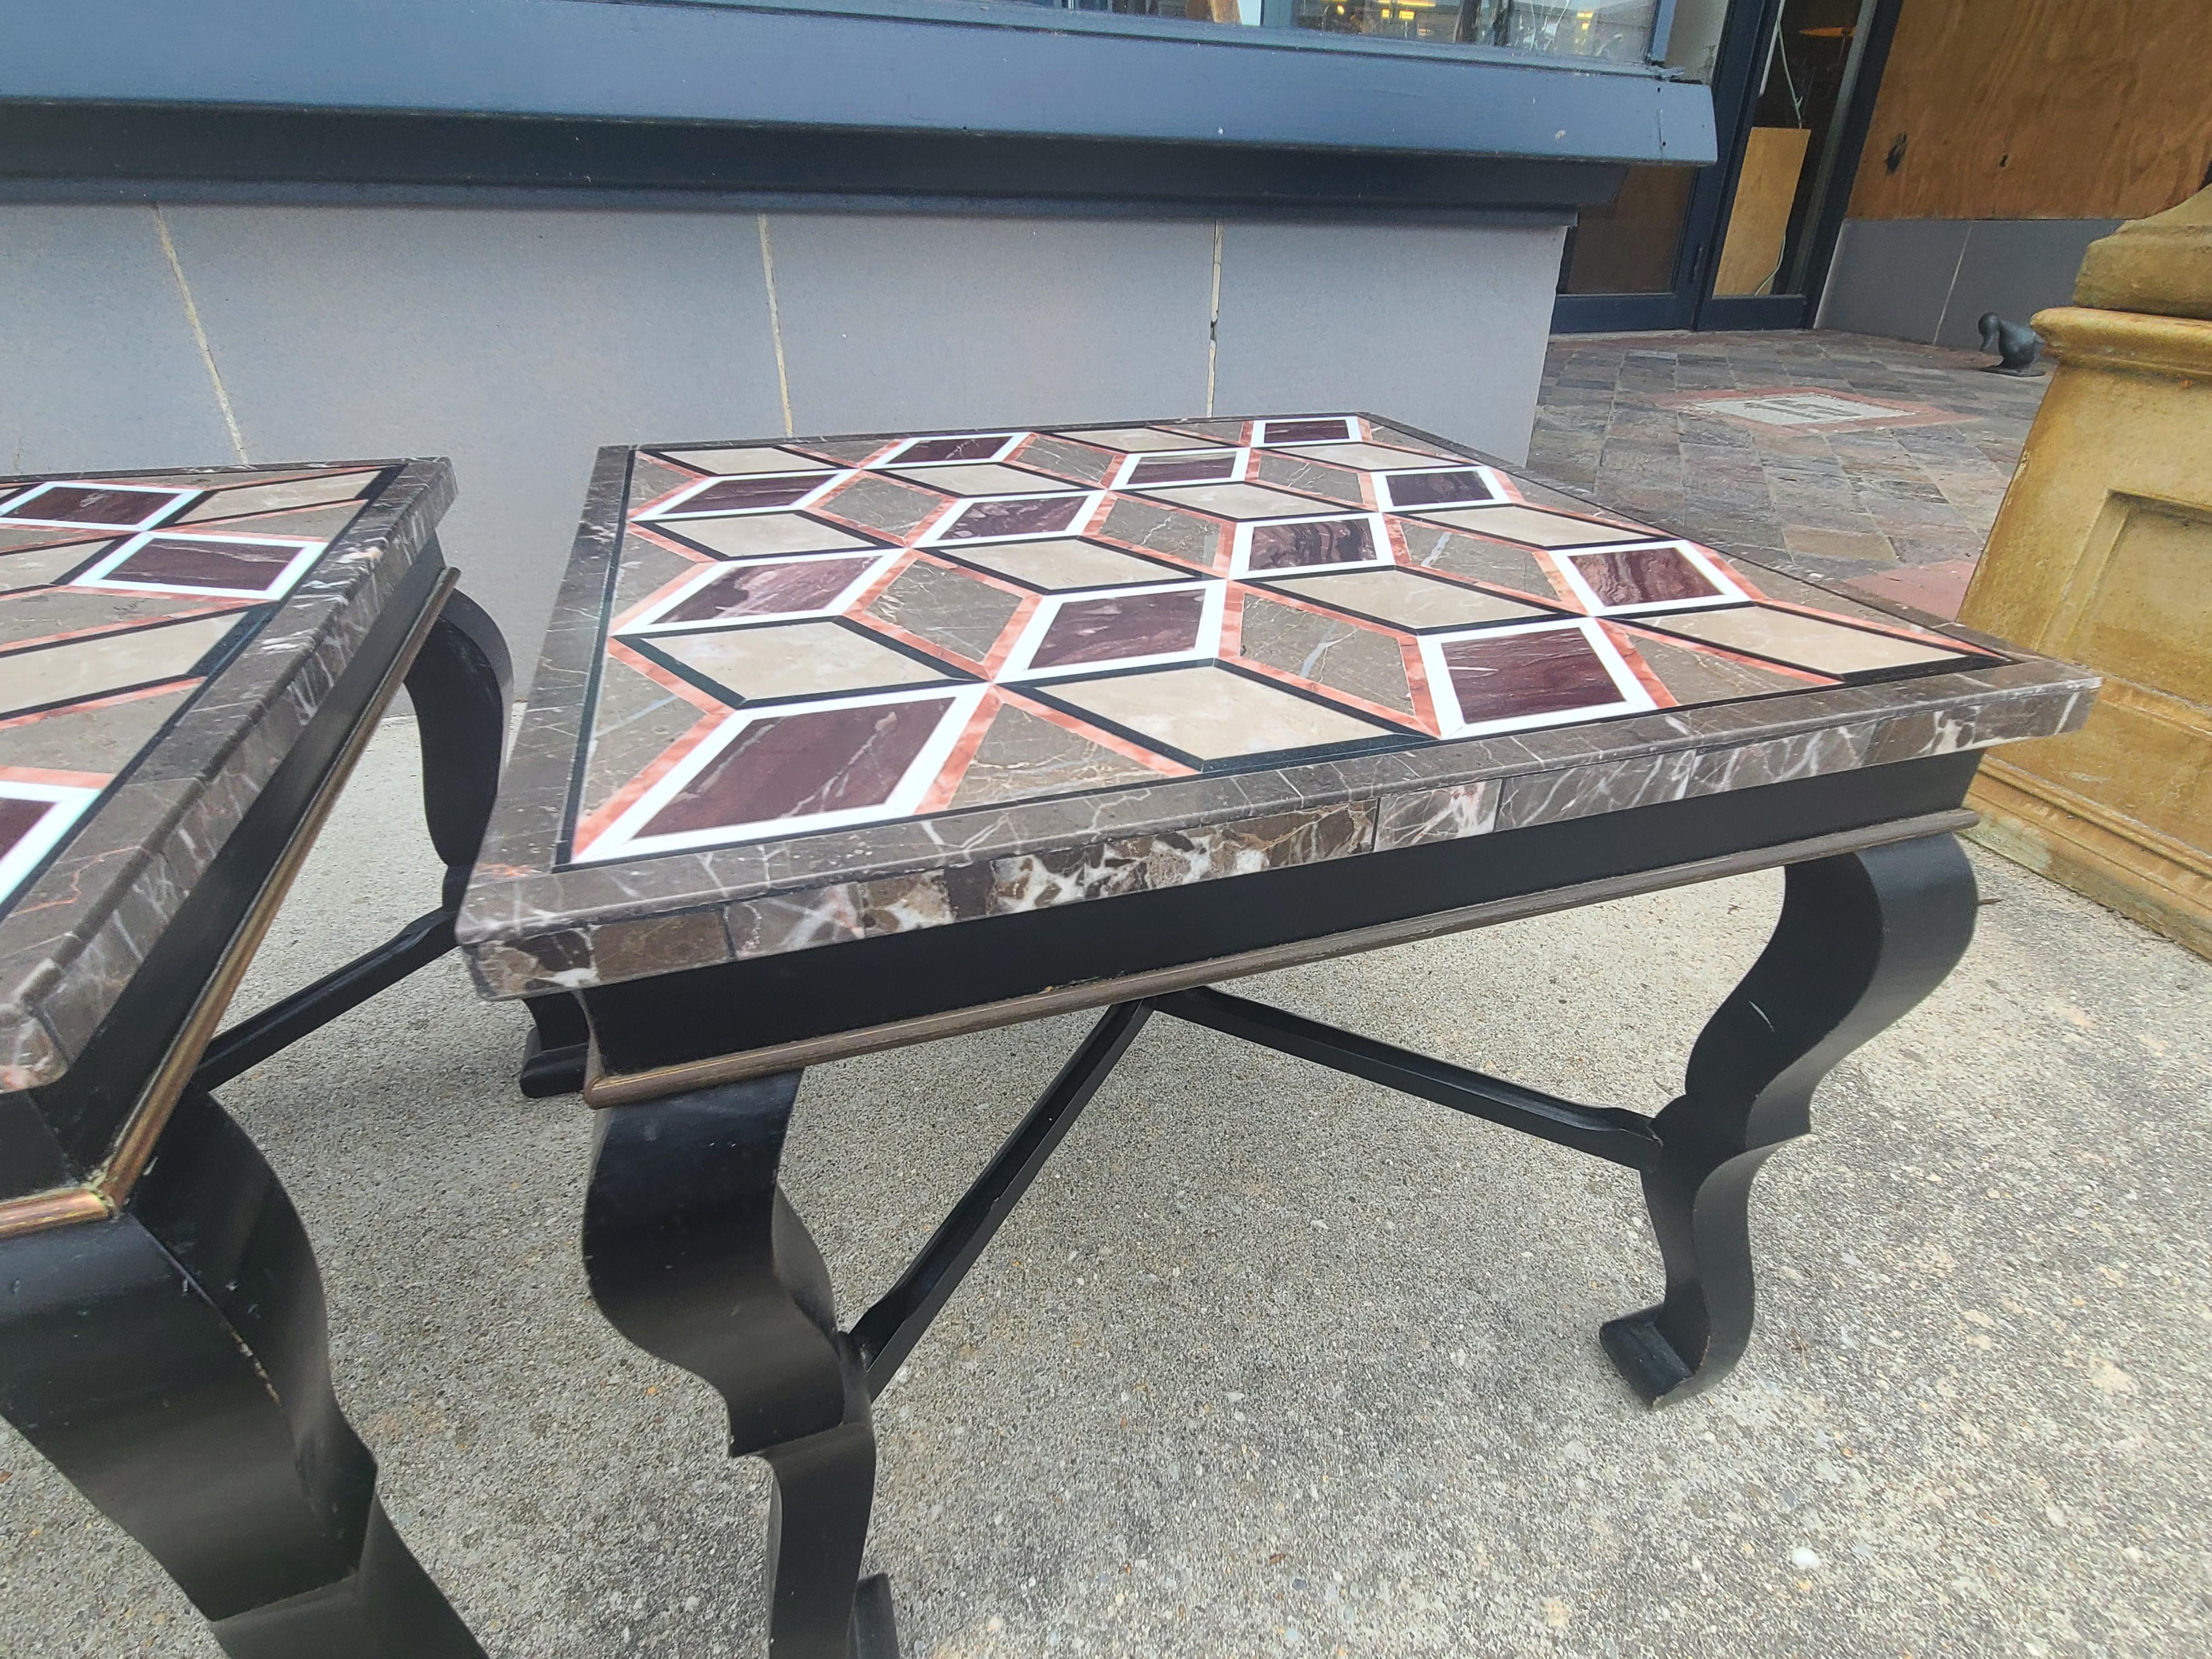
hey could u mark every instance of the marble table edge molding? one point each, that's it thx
(190, 664)
(531, 926)
(73, 936)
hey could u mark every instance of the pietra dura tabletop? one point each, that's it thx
(189, 663)
(839, 744)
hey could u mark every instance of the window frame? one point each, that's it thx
(530, 94)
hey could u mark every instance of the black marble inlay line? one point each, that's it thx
(669, 530)
(1167, 570)
(1220, 532)
(600, 494)
(951, 673)
(1909, 632)
(1621, 533)
(795, 489)
(211, 663)
(1963, 658)
(98, 547)
(1312, 600)
(1390, 734)
(802, 464)
(891, 473)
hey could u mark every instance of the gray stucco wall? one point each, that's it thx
(1932, 279)
(517, 341)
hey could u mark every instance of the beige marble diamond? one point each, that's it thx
(1533, 525)
(1211, 713)
(1407, 599)
(797, 660)
(1241, 501)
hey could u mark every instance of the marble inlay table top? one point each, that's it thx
(803, 691)
(164, 638)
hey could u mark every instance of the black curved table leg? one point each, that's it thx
(171, 1363)
(459, 684)
(693, 1254)
(1862, 939)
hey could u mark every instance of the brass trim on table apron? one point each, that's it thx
(109, 1187)
(603, 1088)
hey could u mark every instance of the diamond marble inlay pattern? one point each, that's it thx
(119, 597)
(845, 632)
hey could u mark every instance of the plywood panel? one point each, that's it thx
(1759, 221)
(2040, 109)
(1628, 245)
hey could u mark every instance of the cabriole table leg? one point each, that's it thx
(171, 1363)
(1862, 939)
(693, 1254)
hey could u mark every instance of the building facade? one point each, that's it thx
(1899, 166)
(511, 231)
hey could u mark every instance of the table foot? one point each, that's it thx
(553, 1054)
(875, 1621)
(1641, 1353)
(547, 1072)
(693, 1254)
(171, 1363)
(1862, 938)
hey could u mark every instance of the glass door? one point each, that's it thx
(1744, 243)
(1792, 165)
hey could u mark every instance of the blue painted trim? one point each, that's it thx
(976, 70)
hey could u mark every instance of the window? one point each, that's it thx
(1612, 31)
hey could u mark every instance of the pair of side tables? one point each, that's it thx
(844, 743)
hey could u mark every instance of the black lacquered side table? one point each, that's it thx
(189, 664)
(844, 743)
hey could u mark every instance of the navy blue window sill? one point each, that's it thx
(923, 101)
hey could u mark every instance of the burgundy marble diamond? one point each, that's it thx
(1643, 575)
(90, 504)
(757, 590)
(1329, 541)
(1026, 515)
(1437, 489)
(1184, 468)
(1110, 629)
(737, 494)
(1305, 432)
(950, 449)
(254, 566)
(822, 760)
(18, 817)
(1505, 677)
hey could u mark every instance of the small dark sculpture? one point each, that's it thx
(2016, 344)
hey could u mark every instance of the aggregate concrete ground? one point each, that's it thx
(1902, 511)
(1272, 1362)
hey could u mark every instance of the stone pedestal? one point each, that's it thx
(2102, 554)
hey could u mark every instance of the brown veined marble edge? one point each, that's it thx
(74, 936)
(528, 926)
(678, 917)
